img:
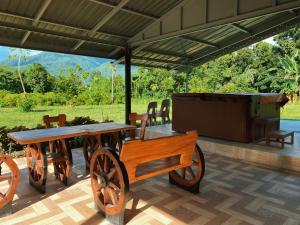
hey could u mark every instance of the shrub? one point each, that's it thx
(26, 103)
(9, 100)
(81, 121)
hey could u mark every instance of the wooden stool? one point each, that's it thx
(279, 136)
(268, 123)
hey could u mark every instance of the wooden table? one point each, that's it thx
(38, 159)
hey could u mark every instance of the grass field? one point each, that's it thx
(11, 117)
(291, 111)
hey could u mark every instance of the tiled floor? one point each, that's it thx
(232, 192)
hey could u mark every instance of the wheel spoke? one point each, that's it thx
(111, 174)
(96, 174)
(113, 186)
(195, 163)
(5, 177)
(112, 195)
(183, 170)
(106, 164)
(99, 164)
(190, 171)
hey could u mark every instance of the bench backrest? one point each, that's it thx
(143, 118)
(60, 120)
(147, 158)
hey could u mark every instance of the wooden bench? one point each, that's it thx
(279, 136)
(179, 155)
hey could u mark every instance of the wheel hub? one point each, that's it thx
(103, 181)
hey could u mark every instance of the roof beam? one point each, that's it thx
(51, 48)
(241, 28)
(38, 16)
(158, 61)
(63, 25)
(199, 41)
(106, 18)
(31, 28)
(159, 52)
(144, 46)
(131, 11)
(151, 66)
(161, 31)
(261, 34)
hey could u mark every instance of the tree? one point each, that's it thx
(38, 79)
(9, 81)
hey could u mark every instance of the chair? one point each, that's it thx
(151, 112)
(133, 118)
(61, 121)
(164, 111)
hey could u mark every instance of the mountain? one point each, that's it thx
(54, 62)
(4, 52)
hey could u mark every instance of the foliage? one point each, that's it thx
(25, 103)
(38, 79)
(81, 121)
(262, 67)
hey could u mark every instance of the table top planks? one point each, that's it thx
(51, 134)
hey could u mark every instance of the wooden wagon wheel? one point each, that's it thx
(88, 150)
(37, 167)
(11, 176)
(61, 161)
(109, 182)
(189, 177)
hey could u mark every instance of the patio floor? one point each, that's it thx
(232, 192)
(272, 157)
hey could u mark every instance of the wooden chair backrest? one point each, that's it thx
(60, 120)
(137, 155)
(133, 118)
(165, 106)
(152, 106)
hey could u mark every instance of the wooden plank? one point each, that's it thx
(51, 134)
(137, 152)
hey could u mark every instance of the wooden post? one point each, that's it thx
(127, 84)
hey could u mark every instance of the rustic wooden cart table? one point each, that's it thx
(38, 159)
(112, 169)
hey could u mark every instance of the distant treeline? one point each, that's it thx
(262, 67)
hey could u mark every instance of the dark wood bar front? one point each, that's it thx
(225, 116)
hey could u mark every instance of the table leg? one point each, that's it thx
(90, 145)
(37, 166)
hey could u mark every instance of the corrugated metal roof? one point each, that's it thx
(77, 27)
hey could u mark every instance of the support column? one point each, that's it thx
(127, 84)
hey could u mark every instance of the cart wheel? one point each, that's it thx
(189, 177)
(109, 182)
(11, 176)
(37, 167)
(88, 150)
(61, 166)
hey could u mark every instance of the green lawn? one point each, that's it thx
(291, 111)
(11, 117)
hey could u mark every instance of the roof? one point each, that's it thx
(161, 33)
